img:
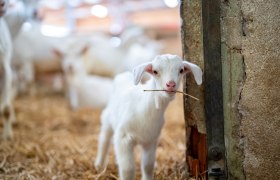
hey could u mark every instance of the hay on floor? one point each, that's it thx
(53, 142)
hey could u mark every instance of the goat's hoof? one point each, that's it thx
(99, 167)
(8, 136)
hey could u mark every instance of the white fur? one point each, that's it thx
(134, 117)
(84, 90)
(6, 106)
(20, 11)
(134, 48)
(33, 52)
(30, 46)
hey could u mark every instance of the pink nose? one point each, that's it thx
(171, 84)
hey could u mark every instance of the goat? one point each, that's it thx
(37, 57)
(6, 107)
(84, 90)
(20, 12)
(134, 48)
(134, 117)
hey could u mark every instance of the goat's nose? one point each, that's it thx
(171, 84)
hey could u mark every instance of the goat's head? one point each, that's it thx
(71, 61)
(31, 10)
(166, 71)
(4, 4)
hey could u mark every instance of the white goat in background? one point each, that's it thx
(84, 90)
(34, 54)
(6, 106)
(136, 117)
(109, 59)
(32, 50)
(19, 12)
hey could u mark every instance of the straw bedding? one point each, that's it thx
(53, 142)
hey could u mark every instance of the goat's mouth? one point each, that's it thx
(170, 92)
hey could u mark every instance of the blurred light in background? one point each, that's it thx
(55, 5)
(92, 1)
(99, 11)
(157, 17)
(171, 3)
(54, 31)
(74, 3)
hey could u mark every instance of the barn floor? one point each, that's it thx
(53, 142)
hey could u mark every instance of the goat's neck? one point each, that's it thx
(160, 102)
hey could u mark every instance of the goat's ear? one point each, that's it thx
(197, 73)
(58, 53)
(139, 70)
(85, 49)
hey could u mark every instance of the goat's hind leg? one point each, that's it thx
(105, 137)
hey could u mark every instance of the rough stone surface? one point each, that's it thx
(260, 99)
(233, 80)
(251, 72)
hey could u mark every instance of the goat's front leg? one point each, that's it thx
(7, 130)
(73, 98)
(148, 161)
(124, 147)
(26, 78)
(7, 110)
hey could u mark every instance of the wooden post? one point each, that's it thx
(191, 32)
(213, 88)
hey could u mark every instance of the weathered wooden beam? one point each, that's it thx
(213, 88)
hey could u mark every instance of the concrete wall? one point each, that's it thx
(233, 81)
(260, 98)
(250, 31)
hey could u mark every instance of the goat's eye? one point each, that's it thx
(181, 71)
(155, 72)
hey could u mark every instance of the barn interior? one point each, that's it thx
(56, 139)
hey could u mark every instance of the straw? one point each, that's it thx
(176, 92)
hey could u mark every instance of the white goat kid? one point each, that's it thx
(136, 117)
(84, 90)
(6, 107)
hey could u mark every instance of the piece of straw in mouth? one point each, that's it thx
(174, 91)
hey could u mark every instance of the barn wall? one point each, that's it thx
(233, 80)
(260, 99)
(250, 33)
